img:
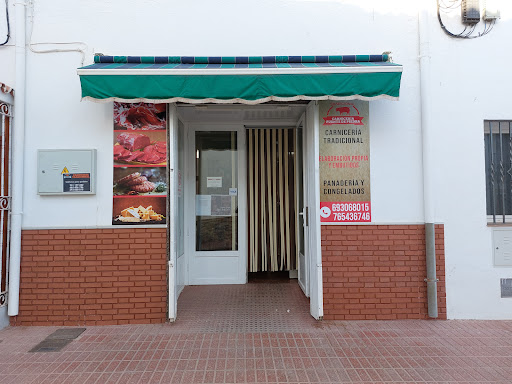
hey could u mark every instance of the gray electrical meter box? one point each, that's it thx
(66, 171)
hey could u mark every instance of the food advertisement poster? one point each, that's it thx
(140, 164)
(344, 162)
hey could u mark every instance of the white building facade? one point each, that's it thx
(427, 161)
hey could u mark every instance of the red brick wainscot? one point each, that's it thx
(93, 277)
(377, 272)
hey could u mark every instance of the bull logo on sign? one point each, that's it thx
(343, 110)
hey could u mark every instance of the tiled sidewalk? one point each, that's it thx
(262, 333)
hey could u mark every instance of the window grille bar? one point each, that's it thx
(3, 264)
(502, 173)
(509, 171)
(3, 261)
(493, 189)
(2, 187)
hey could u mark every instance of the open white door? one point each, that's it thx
(217, 201)
(172, 218)
(301, 208)
(314, 255)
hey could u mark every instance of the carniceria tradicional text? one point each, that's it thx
(343, 140)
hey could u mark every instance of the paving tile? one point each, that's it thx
(241, 334)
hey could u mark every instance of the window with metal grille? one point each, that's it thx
(498, 170)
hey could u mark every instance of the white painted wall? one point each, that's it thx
(57, 119)
(7, 51)
(471, 83)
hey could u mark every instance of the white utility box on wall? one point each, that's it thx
(502, 244)
(66, 171)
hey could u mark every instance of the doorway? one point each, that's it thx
(232, 190)
(272, 196)
(276, 214)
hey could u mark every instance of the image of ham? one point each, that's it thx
(133, 141)
(139, 116)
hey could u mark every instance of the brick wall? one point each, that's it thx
(118, 275)
(378, 271)
(93, 277)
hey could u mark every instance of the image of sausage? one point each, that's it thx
(127, 179)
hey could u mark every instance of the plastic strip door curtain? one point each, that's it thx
(272, 217)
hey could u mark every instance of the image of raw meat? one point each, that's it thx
(133, 141)
(152, 155)
(143, 116)
(121, 152)
(139, 148)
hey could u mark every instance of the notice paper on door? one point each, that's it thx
(214, 182)
(221, 205)
(203, 205)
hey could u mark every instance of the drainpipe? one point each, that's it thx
(428, 157)
(18, 152)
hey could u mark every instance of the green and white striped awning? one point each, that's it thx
(246, 80)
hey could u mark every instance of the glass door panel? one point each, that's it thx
(216, 191)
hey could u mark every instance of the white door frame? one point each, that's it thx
(315, 240)
(172, 216)
(190, 208)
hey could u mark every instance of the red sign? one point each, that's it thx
(355, 120)
(346, 212)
